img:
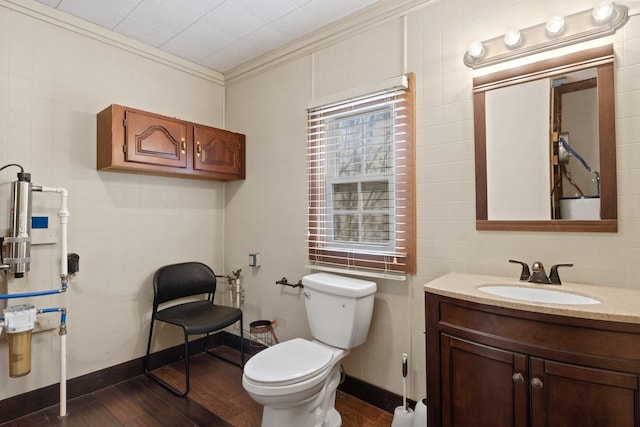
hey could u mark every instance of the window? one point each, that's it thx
(362, 183)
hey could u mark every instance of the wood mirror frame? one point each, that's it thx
(601, 59)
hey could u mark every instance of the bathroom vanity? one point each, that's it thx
(494, 361)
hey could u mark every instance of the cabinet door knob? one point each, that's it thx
(517, 378)
(199, 150)
(184, 146)
(537, 383)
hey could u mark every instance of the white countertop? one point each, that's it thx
(616, 304)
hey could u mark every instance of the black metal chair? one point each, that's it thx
(174, 282)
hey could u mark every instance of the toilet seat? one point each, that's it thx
(288, 363)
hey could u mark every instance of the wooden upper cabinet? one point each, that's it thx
(218, 150)
(136, 141)
(155, 140)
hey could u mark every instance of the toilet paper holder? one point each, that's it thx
(284, 282)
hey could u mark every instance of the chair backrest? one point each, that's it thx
(182, 280)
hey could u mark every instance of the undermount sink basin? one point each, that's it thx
(543, 295)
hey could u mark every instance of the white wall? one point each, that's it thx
(53, 81)
(266, 213)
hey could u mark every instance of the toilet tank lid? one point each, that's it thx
(339, 285)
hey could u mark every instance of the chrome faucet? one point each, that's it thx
(539, 275)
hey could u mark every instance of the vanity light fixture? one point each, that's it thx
(475, 50)
(603, 19)
(602, 12)
(555, 26)
(512, 38)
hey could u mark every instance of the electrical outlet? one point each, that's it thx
(254, 260)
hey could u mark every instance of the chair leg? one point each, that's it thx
(241, 344)
(186, 364)
(147, 357)
(163, 383)
(241, 364)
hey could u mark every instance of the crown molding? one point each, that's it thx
(369, 17)
(377, 14)
(79, 26)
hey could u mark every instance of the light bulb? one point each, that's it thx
(512, 38)
(602, 12)
(476, 49)
(555, 25)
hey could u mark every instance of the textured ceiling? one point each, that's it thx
(217, 34)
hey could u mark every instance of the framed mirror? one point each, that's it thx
(545, 145)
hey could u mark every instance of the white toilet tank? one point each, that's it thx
(339, 308)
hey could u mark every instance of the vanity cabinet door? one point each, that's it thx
(570, 395)
(482, 386)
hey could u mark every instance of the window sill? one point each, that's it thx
(353, 272)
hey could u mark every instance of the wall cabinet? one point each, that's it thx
(491, 366)
(136, 141)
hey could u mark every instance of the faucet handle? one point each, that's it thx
(553, 275)
(524, 275)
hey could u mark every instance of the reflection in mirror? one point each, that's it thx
(576, 162)
(545, 145)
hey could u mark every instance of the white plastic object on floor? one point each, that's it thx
(402, 417)
(420, 414)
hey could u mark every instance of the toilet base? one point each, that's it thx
(304, 418)
(333, 419)
(317, 411)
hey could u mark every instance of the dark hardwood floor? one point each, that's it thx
(216, 399)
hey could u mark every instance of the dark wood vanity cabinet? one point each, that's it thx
(477, 385)
(489, 366)
(131, 140)
(569, 395)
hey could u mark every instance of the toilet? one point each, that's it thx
(296, 380)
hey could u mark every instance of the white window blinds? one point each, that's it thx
(360, 162)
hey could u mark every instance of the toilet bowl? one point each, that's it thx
(296, 380)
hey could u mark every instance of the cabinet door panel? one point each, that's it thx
(216, 150)
(579, 396)
(154, 140)
(480, 384)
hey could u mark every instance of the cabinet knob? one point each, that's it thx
(537, 383)
(517, 378)
(184, 146)
(199, 150)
